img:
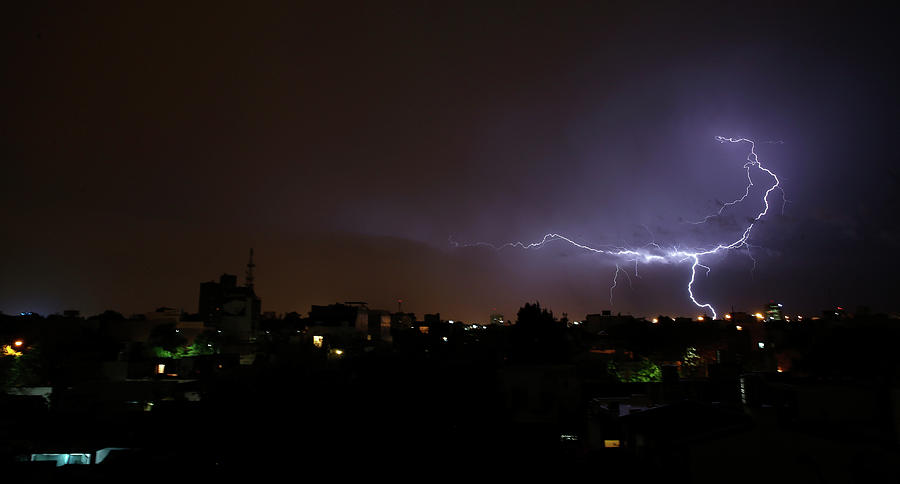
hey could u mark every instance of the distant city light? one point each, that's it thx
(451, 321)
(761, 345)
(759, 316)
(19, 343)
(444, 338)
(655, 320)
(699, 318)
(727, 316)
(739, 328)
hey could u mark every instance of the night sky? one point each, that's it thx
(147, 146)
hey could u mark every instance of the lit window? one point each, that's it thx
(611, 444)
(318, 340)
(160, 369)
(63, 459)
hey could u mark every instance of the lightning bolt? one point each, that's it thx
(615, 282)
(654, 253)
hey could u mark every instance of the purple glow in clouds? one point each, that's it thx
(654, 253)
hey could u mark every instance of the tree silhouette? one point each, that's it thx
(166, 337)
(538, 338)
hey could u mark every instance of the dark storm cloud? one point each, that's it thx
(145, 144)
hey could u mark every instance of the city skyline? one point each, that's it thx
(356, 149)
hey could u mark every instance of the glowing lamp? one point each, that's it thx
(19, 343)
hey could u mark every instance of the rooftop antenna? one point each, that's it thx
(250, 266)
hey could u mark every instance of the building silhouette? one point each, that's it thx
(232, 309)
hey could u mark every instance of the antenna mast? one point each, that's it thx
(250, 266)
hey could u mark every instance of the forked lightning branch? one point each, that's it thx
(655, 254)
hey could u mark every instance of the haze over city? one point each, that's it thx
(148, 147)
(639, 241)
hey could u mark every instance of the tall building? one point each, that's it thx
(231, 308)
(380, 324)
